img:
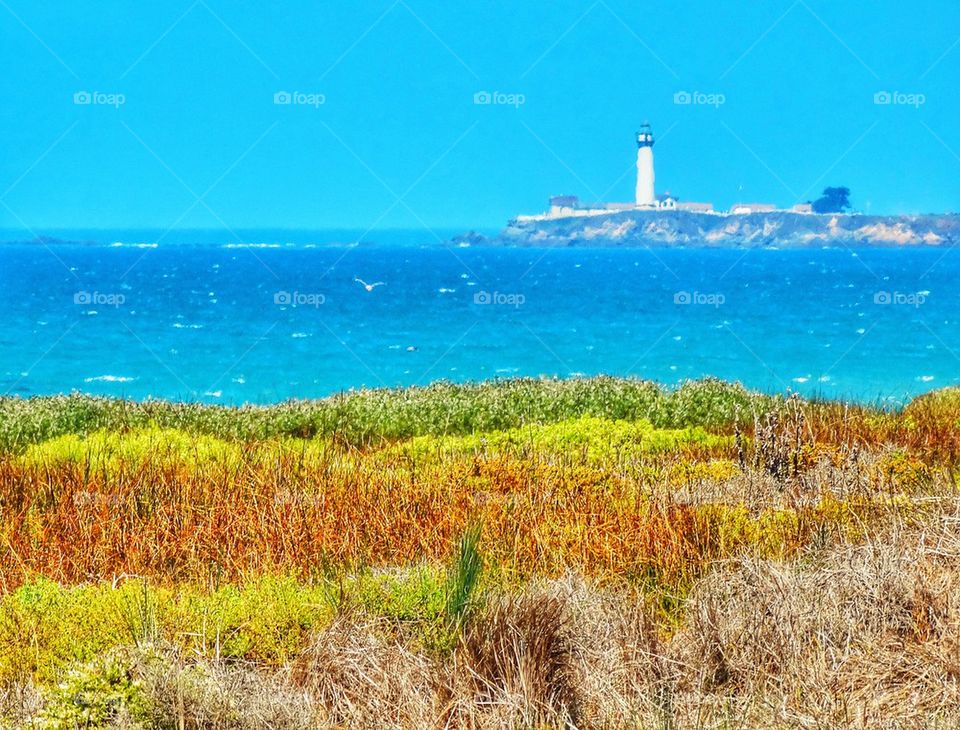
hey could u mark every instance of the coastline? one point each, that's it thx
(732, 230)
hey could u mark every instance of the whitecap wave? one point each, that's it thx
(251, 245)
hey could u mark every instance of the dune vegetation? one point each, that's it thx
(591, 553)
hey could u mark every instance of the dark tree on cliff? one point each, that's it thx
(833, 200)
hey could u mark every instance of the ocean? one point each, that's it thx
(202, 319)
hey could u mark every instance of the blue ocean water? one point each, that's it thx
(229, 323)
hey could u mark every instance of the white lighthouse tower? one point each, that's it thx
(645, 193)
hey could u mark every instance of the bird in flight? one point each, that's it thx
(368, 287)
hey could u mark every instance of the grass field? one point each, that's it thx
(590, 553)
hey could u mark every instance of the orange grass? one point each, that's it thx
(928, 426)
(174, 521)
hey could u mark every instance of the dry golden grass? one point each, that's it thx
(852, 636)
(665, 517)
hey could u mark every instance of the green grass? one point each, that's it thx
(367, 416)
(46, 627)
(596, 439)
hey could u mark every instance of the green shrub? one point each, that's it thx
(598, 439)
(97, 694)
(365, 416)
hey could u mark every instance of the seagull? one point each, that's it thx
(368, 287)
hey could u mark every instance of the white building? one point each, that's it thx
(747, 208)
(645, 179)
(563, 205)
(646, 198)
(667, 201)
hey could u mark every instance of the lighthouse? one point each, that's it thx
(645, 194)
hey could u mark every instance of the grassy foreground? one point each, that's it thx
(589, 553)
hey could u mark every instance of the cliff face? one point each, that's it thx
(780, 228)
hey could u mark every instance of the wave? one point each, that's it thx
(252, 245)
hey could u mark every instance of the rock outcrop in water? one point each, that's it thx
(774, 229)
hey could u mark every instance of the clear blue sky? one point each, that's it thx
(398, 79)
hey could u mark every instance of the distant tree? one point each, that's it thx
(833, 200)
